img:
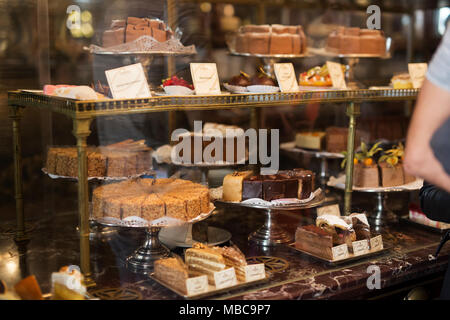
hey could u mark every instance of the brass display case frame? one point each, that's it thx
(83, 112)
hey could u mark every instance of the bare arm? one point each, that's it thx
(432, 109)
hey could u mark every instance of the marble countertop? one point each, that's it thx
(54, 243)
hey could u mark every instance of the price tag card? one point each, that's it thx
(332, 209)
(337, 75)
(205, 78)
(360, 247)
(225, 278)
(340, 252)
(197, 285)
(376, 243)
(286, 78)
(128, 82)
(254, 272)
(417, 72)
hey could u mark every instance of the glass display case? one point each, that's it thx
(145, 131)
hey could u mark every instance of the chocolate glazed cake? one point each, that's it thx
(297, 183)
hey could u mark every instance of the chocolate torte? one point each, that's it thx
(123, 159)
(296, 183)
(151, 199)
(271, 39)
(122, 31)
(357, 41)
(230, 141)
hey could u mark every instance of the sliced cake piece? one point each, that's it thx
(202, 259)
(152, 208)
(232, 185)
(235, 258)
(173, 272)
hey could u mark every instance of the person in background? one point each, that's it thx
(427, 153)
(432, 111)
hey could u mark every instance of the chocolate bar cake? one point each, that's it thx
(296, 183)
(271, 39)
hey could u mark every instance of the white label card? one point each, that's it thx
(197, 285)
(360, 247)
(225, 278)
(340, 252)
(332, 210)
(254, 272)
(376, 243)
(286, 78)
(337, 75)
(417, 72)
(128, 82)
(205, 78)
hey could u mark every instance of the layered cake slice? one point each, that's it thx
(310, 140)
(202, 259)
(315, 240)
(235, 258)
(172, 271)
(232, 185)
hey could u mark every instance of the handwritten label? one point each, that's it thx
(128, 82)
(417, 72)
(197, 285)
(286, 78)
(332, 210)
(225, 278)
(376, 243)
(360, 247)
(205, 78)
(340, 252)
(337, 75)
(254, 272)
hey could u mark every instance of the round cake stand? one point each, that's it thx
(321, 155)
(270, 59)
(142, 259)
(351, 60)
(205, 168)
(381, 214)
(271, 234)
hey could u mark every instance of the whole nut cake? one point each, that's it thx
(122, 159)
(151, 199)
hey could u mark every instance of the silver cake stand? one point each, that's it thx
(321, 155)
(142, 259)
(381, 214)
(270, 234)
(351, 60)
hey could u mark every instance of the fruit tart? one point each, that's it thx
(177, 86)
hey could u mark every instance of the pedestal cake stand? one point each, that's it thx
(270, 234)
(381, 213)
(351, 60)
(142, 259)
